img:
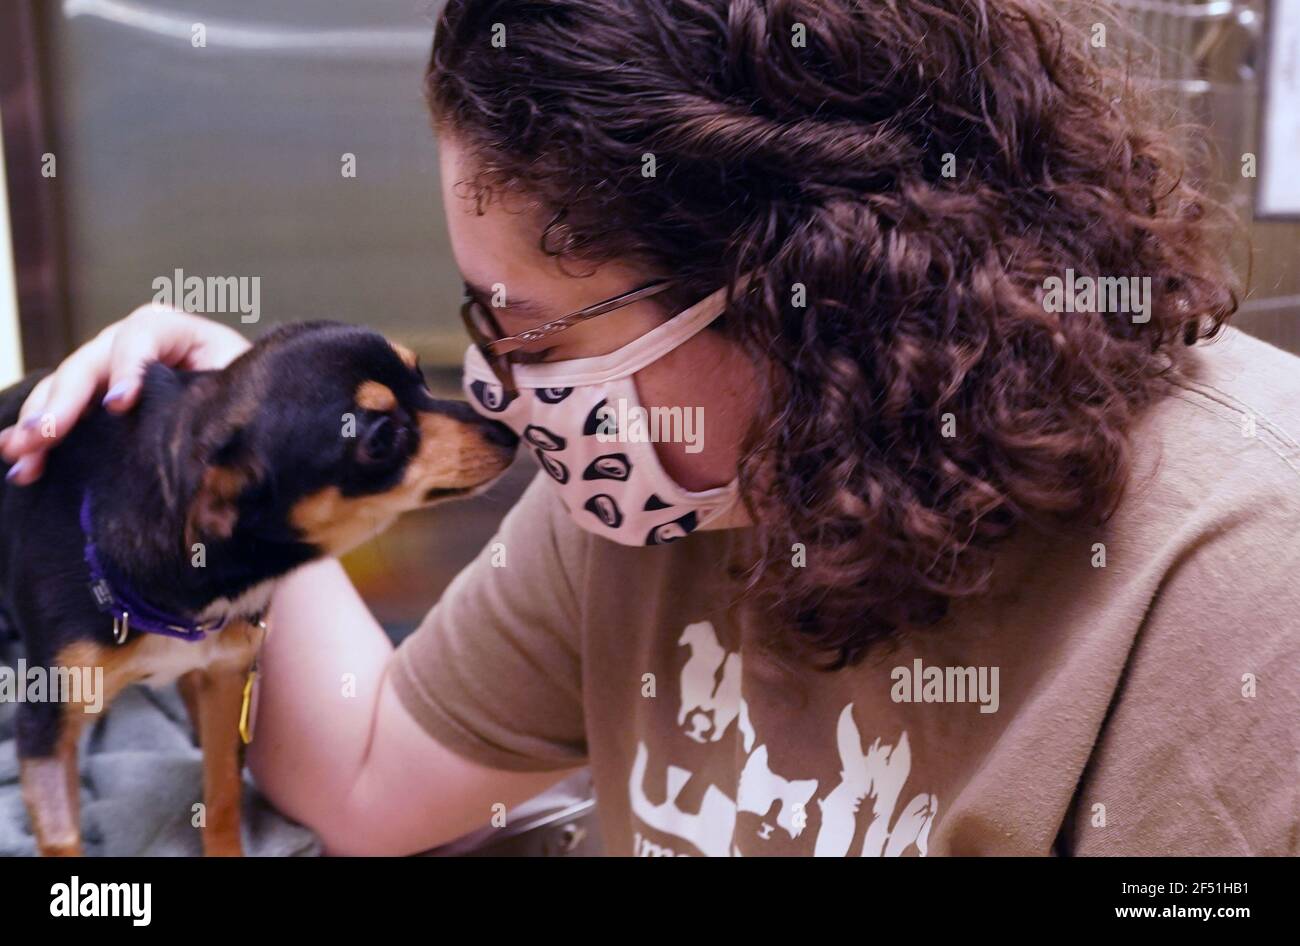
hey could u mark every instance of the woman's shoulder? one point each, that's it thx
(1212, 503)
(1230, 423)
(1238, 392)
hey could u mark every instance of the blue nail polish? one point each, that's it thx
(15, 470)
(31, 423)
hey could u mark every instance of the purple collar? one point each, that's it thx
(129, 612)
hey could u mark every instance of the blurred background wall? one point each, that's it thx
(227, 159)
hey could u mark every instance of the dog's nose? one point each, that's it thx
(494, 432)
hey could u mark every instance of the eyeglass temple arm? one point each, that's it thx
(502, 346)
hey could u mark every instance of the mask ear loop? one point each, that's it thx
(731, 512)
(632, 357)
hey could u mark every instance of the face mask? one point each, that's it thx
(567, 413)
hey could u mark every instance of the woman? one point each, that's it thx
(958, 567)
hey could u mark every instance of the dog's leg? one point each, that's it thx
(220, 696)
(49, 779)
(188, 685)
(47, 743)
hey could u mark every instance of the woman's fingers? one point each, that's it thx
(56, 403)
(24, 435)
(35, 403)
(114, 359)
(150, 333)
(216, 347)
(158, 333)
(29, 463)
(21, 470)
(28, 469)
(72, 389)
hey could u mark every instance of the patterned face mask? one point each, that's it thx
(567, 413)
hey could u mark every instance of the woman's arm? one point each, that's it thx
(336, 749)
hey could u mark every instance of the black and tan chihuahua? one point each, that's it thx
(148, 551)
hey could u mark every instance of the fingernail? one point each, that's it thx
(116, 392)
(16, 470)
(32, 422)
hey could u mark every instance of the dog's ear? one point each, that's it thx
(162, 383)
(226, 472)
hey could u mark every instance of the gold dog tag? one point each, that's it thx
(248, 712)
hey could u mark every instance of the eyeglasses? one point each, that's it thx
(495, 347)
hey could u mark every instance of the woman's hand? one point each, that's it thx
(115, 360)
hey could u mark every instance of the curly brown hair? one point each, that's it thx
(912, 172)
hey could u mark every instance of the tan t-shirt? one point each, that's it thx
(1126, 689)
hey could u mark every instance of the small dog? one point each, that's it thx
(148, 551)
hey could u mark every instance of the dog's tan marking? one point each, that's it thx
(452, 455)
(373, 396)
(336, 523)
(215, 507)
(120, 665)
(156, 660)
(404, 353)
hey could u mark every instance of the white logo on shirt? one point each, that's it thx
(710, 704)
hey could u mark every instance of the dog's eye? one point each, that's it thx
(384, 441)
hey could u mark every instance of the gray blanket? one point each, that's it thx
(141, 775)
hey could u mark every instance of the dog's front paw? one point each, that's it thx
(62, 848)
(222, 847)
